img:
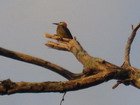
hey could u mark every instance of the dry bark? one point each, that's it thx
(95, 70)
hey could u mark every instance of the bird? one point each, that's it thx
(62, 30)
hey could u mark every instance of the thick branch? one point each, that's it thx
(9, 87)
(71, 45)
(37, 61)
(128, 46)
(94, 65)
(90, 64)
(95, 70)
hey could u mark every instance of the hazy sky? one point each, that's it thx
(101, 26)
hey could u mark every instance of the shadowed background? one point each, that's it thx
(102, 27)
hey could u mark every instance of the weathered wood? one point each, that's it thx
(95, 70)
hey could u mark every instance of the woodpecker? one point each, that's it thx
(62, 30)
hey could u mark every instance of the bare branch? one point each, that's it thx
(95, 70)
(71, 45)
(57, 46)
(37, 61)
(62, 98)
(128, 46)
(9, 87)
(56, 37)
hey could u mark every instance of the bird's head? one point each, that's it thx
(64, 24)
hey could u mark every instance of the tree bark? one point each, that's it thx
(95, 70)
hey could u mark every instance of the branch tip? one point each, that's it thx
(128, 46)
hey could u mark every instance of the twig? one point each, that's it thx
(62, 98)
(117, 84)
(132, 27)
(128, 46)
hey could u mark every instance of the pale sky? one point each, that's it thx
(101, 26)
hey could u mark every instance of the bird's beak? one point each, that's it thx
(56, 23)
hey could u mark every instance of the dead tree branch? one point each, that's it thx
(95, 70)
(128, 45)
(9, 87)
(39, 62)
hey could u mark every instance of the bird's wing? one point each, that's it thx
(68, 32)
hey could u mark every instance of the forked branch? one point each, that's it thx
(95, 70)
